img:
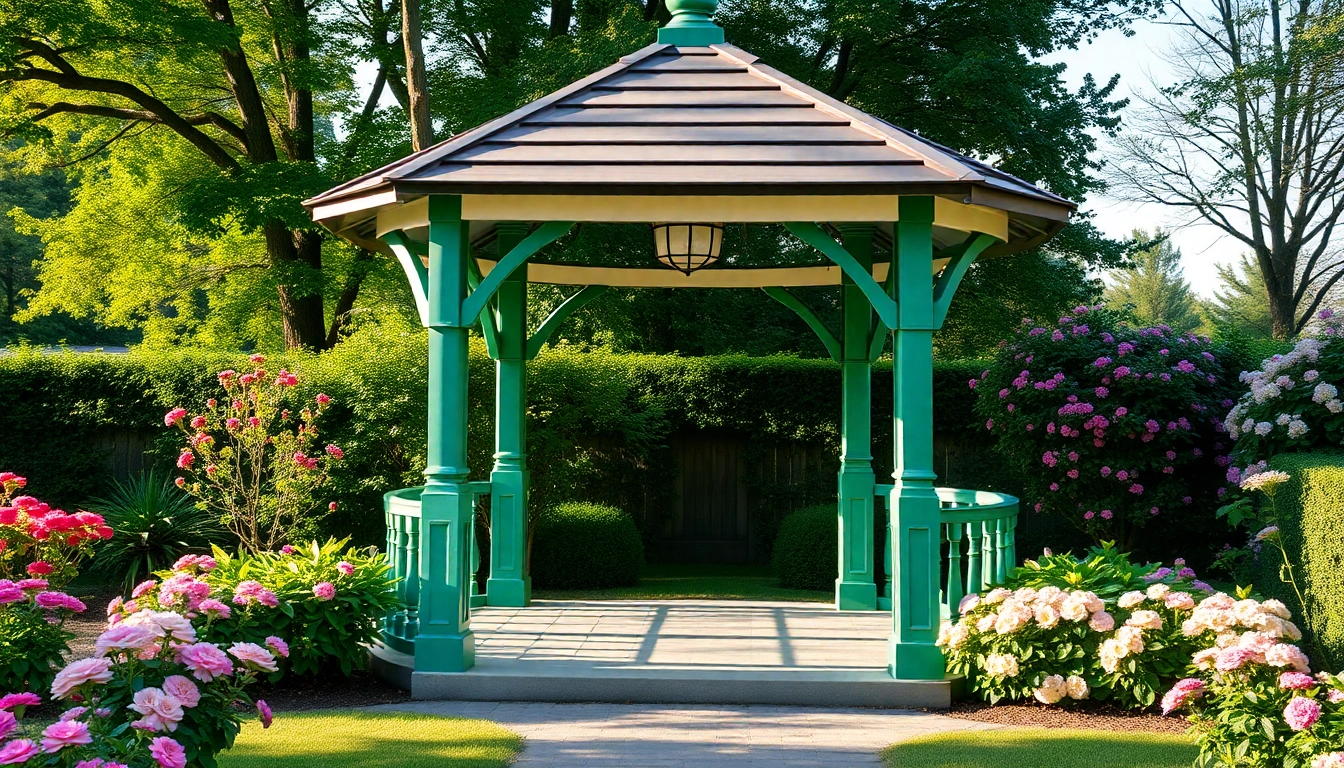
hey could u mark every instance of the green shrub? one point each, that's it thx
(806, 553)
(32, 648)
(1311, 528)
(586, 546)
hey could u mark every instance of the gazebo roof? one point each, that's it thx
(692, 134)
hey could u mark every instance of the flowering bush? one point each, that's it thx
(329, 599)
(37, 541)
(33, 637)
(1253, 699)
(1294, 401)
(251, 461)
(154, 694)
(1104, 570)
(1108, 424)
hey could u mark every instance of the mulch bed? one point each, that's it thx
(1087, 715)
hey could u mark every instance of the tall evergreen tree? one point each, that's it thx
(1242, 303)
(1154, 284)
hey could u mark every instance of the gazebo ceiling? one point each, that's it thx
(691, 134)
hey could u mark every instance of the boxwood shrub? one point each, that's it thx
(806, 550)
(578, 545)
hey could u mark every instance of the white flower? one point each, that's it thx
(1046, 616)
(952, 635)
(1131, 599)
(1158, 591)
(1277, 608)
(1265, 481)
(1001, 665)
(1297, 428)
(1053, 688)
(986, 623)
(968, 604)
(1265, 392)
(1335, 406)
(997, 595)
(1323, 392)
(1077, 688)
(1131, 637)
(1283, 419)
(1075, 608)
(1284, 655)
(1263, 428)
(1248, 425)
(1144, 620)
(1311, 376)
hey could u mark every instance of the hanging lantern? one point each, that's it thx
(687, 247)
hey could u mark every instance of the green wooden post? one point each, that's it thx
(915, 528)
(855, 589)
(510, 584)
(445, 642)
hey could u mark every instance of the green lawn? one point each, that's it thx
(1046, 748)
(366, 740)
(694, 582)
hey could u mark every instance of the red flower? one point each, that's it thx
(39, 568)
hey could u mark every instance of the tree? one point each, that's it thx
(245, 88)
(1242, 302)
(1250, 139)
(1154, 285)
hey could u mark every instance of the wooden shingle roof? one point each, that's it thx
(711, 121)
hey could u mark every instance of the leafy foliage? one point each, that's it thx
(585, 546)
(1155, 286)
(807, 549)
(324, 635)
(1104, 571)
(154, 524)
(31, 647)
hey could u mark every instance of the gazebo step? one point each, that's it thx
(567, 681)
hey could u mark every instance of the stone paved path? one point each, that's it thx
(696, 736)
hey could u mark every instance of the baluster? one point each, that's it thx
(1000, 558)
(413, 577)
(390, 553)
(973, 573)
(1010, 550)
(954, 588)
(986, 554)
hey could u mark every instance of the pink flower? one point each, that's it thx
(168, 753)
(80, 673)
(39, 568)
(182, 689)
(144, 588)
(184, 461)
(264, 712)
(126, 637)
(324, 590)
(13, 701)
(59, 600)
(345, 568)
(18, 752)
(280, 647)
(232, 423)
(205, 660)
(65, 733)
(1183, 691)
(1296, 681)
(198, 422)
(287, 550)
(1230, 659)
(322, 399)
(253, 655)
(159, 711)
(74, 713)
(8, 724)
(172, 417)
(335, 452)
(215, 609)
(1301, 713)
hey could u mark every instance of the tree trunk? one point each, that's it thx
(422, 131)
(1282, 314)
(562, 13)
(292, 254)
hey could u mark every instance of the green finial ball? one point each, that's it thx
(691, 12)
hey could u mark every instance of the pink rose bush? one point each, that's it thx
(37, 541)
(1111, 426)
(1251, 694)
(329, 599)
(251, 460)
(153, 695)
(32, 625)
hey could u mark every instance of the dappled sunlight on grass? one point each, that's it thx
(1047, 748)
(367, 740)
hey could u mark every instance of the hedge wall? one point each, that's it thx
(1312, 526)
(599, 423)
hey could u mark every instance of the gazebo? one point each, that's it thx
(683, 137)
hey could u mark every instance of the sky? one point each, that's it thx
(1138, 61)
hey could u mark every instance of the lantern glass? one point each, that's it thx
(687, 247)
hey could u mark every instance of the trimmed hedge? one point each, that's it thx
(807, 549)
(599, 424)
(586, 546)
(1311, 523)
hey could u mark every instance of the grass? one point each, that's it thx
(1047, 748)
(367, 740)
(695, 582)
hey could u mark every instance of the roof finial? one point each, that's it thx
(691, 25)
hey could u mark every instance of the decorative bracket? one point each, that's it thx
(558, 316)
(815, 236)
(489, 330)
(416, 274)
(961, 258)
(827, 338)
(541, 237)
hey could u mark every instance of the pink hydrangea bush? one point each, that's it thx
(251, 460)
(1111, 426)
(1251, 693)
(154, 695)
(331, 599)
(37, 541)
(33, 637)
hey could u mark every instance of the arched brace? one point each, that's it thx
(416, 274)
(559, 315)
(961, 258)
(488, 329)
(541, 237)
(812, 234)
(827, 338)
